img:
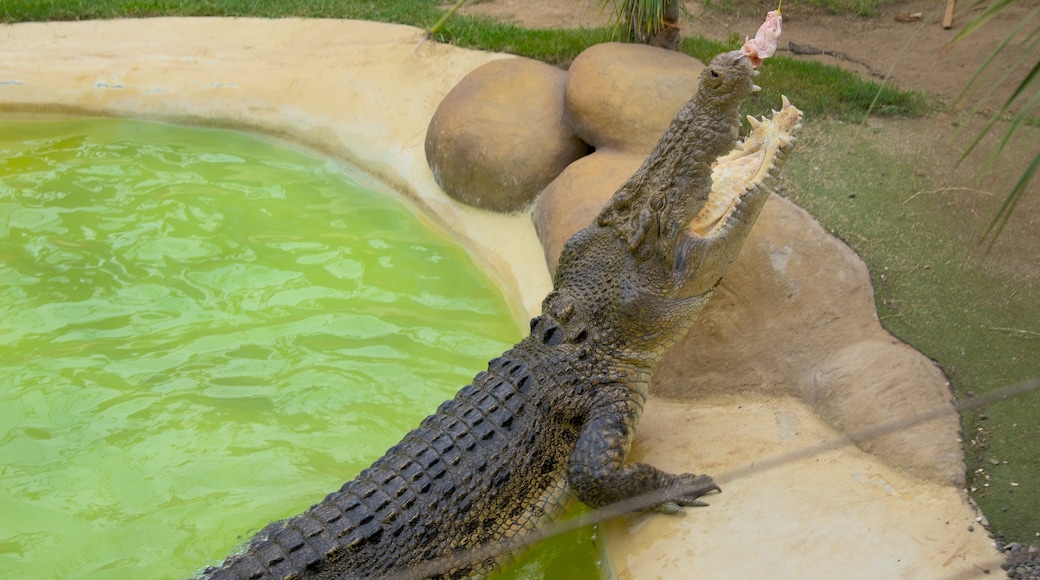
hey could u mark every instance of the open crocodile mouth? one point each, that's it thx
(751, 164)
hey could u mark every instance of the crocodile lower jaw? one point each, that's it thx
(755, 162)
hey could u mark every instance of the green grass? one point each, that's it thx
(853, 7)
(934, 286)
(422, 13)
(558, 47)
(819, 90)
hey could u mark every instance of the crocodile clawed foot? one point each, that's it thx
(690, 487)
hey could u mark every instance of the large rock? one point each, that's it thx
(576, 197)
(846, 390)
(623, 96)
(499, 136)
(795, 315)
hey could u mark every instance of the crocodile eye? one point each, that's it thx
(714, 79)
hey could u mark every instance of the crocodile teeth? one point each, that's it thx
(755, 88)
(753, 122)
(738, 146)
(784, 102)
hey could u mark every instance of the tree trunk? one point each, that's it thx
(668, 36)
(655, 23)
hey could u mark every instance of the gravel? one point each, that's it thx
(1022, 561)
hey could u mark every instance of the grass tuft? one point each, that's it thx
(818, 89)
(558, 47)
(862, 8)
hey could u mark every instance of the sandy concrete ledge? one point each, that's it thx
(358, 92)
(798, 501)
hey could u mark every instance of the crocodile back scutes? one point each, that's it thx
(490, 461)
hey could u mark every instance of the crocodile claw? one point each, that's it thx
(690, 487)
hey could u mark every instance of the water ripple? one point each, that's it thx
(199, 333)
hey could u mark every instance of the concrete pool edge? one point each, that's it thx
(357, 92)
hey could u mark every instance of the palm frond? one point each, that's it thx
(980, 81)
(1000, 218)
(1025, 96)
(991, 11)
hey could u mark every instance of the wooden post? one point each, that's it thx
(951, 6)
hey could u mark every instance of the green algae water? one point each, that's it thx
(201, 332)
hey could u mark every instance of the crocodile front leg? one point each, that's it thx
(598, 474)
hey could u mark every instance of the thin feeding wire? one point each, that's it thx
(646, 501)
(888, 75)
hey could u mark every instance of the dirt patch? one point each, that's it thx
(917, 53)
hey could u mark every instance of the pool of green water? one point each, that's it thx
(201, 332)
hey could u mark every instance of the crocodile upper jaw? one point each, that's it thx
(741, 182)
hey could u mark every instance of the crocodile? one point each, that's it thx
(553, 418)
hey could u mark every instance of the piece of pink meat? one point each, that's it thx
(764, 44)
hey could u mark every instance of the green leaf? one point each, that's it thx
(1027, 89)
(1003, 214)
(983, 18)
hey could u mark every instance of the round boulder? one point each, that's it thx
(623, 96)
(874, 391)
(795, 315)
(499, 137)
(576, 197)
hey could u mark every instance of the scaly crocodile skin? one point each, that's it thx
(554, 417)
